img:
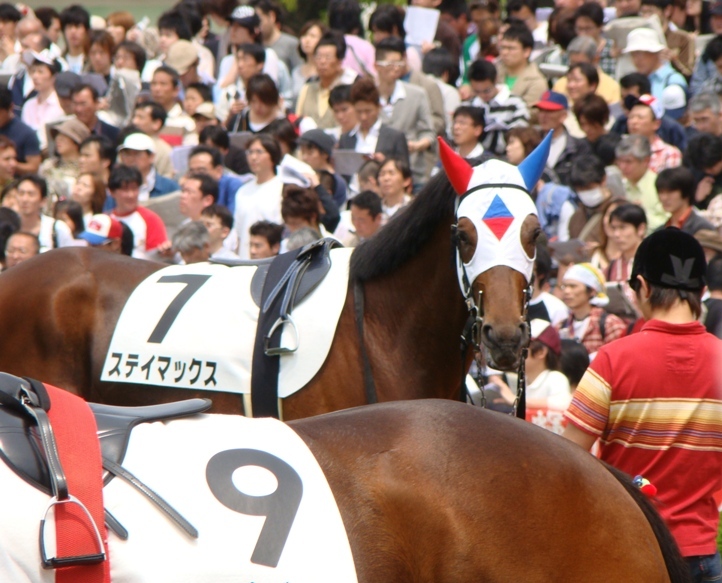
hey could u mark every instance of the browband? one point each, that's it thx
(494, 185)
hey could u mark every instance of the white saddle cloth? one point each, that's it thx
(168, 336)
(296, 523)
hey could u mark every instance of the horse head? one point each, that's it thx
(496, 231)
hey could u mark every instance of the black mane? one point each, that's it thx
(406, 233)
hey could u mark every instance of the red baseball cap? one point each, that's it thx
(552, 101)
(101, 229)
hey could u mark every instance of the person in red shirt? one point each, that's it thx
(148, 228)
(654, 399)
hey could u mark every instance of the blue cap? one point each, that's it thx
(552, 101)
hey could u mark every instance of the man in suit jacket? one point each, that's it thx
(371, 136)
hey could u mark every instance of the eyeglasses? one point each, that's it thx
(389, 63)
(258, 152)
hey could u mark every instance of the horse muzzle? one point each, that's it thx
(504, 345)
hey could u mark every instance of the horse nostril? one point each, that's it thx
(488, 332)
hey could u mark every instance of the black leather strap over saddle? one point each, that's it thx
(20, 439)
(289, 279)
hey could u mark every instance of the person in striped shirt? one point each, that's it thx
(502, 109)
(654, 399)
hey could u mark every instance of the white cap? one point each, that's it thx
(138, 142)
(644, 39)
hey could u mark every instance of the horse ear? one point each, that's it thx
(532, 166)
(457, 169)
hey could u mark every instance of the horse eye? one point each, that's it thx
(536, 234)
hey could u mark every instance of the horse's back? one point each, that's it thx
(441, 491)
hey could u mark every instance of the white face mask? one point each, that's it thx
(591, 198)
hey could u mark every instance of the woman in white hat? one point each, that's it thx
(583, 291)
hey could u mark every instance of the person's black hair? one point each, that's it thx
(138, 52)
(573, 361)
(268, 7)
(203, 90)
(37, 181)
(106, 148)
(214, 153)
(268, 230)
(679, 178)
(605, 148)
(632, 214)
(220, 211)
(75, 14)
(262, 86)
(588, 70)
(8, 13)
(9, 224)
(74, 212)
(542, 265)
(636, 80)
(400, 165)
(122, 175)
(521, 34)
(339, 94)
(482, 70)
(593, 11)
(454, 8)
(192, 14)
(345, 16)
(714, 274)
(661, 4)
(208, 186)
(593, 108)
(391, 44)
(270, 144)
(713, 50)
(85, 87)
(335, 39)
(551, 360)
(175, 20)
(437, 62)
(217, 135)
(254, 50)
(6, 98)
(369, 200)
(284, 131)
(127, 240)
(587, 170)
(46, 15)
(157, 111)
(704, 151)
(517, 5)
(475, 114)
(388, 18)
(664, 298)
(172, 73)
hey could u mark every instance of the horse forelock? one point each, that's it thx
(408, 231)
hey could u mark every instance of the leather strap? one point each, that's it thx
(358, 304)
(79, 451)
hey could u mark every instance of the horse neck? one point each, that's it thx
(414, 319)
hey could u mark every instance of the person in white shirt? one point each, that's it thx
(259, 199)
(31, 193)
(468, 130)
(394, 180)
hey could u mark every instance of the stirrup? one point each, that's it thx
(280, 350)
(56, 562)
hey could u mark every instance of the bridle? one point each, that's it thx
(472, 335)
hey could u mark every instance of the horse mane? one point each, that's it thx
(406, 233)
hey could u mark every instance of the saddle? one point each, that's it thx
(23, 445)
(287, 280)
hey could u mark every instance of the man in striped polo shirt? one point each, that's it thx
(654, 399)
(502, 110)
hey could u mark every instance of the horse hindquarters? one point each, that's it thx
(439, 491)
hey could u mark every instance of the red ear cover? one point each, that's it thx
(457, 169)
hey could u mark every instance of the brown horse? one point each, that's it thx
(427, 491)
(59, 311)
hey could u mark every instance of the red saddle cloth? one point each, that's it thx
(76, 436)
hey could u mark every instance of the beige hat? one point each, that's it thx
(72, 128)
(644, 39)
(206, 109)
(182, 55)
(709, 239)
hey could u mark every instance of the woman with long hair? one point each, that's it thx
(89, 192)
